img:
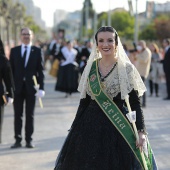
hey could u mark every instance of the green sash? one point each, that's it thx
(115, 115)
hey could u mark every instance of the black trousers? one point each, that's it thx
(21, 100)
(1, 120)
(153, 86)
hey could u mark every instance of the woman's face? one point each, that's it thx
(106, 43)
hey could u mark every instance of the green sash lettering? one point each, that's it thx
(115, 115)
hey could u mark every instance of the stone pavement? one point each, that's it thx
(53, 121)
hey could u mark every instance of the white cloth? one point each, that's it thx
(126, 84)
(40, 93)
(10, 100)
(69, 55)
(28, 52)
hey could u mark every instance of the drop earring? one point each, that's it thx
(115, 52)
(97, 50)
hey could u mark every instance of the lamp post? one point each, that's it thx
(86, 17)
(109, 16)
(95, 21)
(136, 24)
(7, 30)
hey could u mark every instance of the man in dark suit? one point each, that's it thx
(26, 61)
(166, 66)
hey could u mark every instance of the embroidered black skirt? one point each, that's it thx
(67, 80)
(93, 143)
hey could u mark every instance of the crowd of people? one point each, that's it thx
(152, 62)
(104, 66)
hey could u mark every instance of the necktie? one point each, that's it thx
(24, 56)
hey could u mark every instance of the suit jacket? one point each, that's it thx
(166, 62)
(34, 67)
(85, 52)
(5, 79)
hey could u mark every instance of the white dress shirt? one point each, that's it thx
(28, 52)
(69, 55)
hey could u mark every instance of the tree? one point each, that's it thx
(148, 32)
(158, 29)
(162, 25)
(122, 21)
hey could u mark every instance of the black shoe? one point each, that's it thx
(16, 145)
(29, 145)
(167, 98)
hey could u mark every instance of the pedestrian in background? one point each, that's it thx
(7, 92)
(166, 65)
(143, 61)
(26, 61)
(67, 79)
(154, 74)
(84, 55)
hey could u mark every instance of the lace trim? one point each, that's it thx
(128, 76)
(112, 82)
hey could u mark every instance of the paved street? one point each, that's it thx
(53, 121)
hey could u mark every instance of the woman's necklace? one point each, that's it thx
(102, 78)
(106, 70)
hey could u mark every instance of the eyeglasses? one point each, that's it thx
(26, 34)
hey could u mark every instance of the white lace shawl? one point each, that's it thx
(124, 77)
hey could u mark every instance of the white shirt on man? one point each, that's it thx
(28, 52)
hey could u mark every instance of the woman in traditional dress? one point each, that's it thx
(67, 80)
(7, 91)
(101, 137)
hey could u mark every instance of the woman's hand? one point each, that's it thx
(142, 139)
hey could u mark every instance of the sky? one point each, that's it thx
(48, 7)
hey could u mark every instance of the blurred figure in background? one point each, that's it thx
(67, 79)
(56, 58)
(154, 76)
(84, 56)
(132, 54)
(52, 47)
(126, 49)
(166, 65)
(143, 60)
(7, 92)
